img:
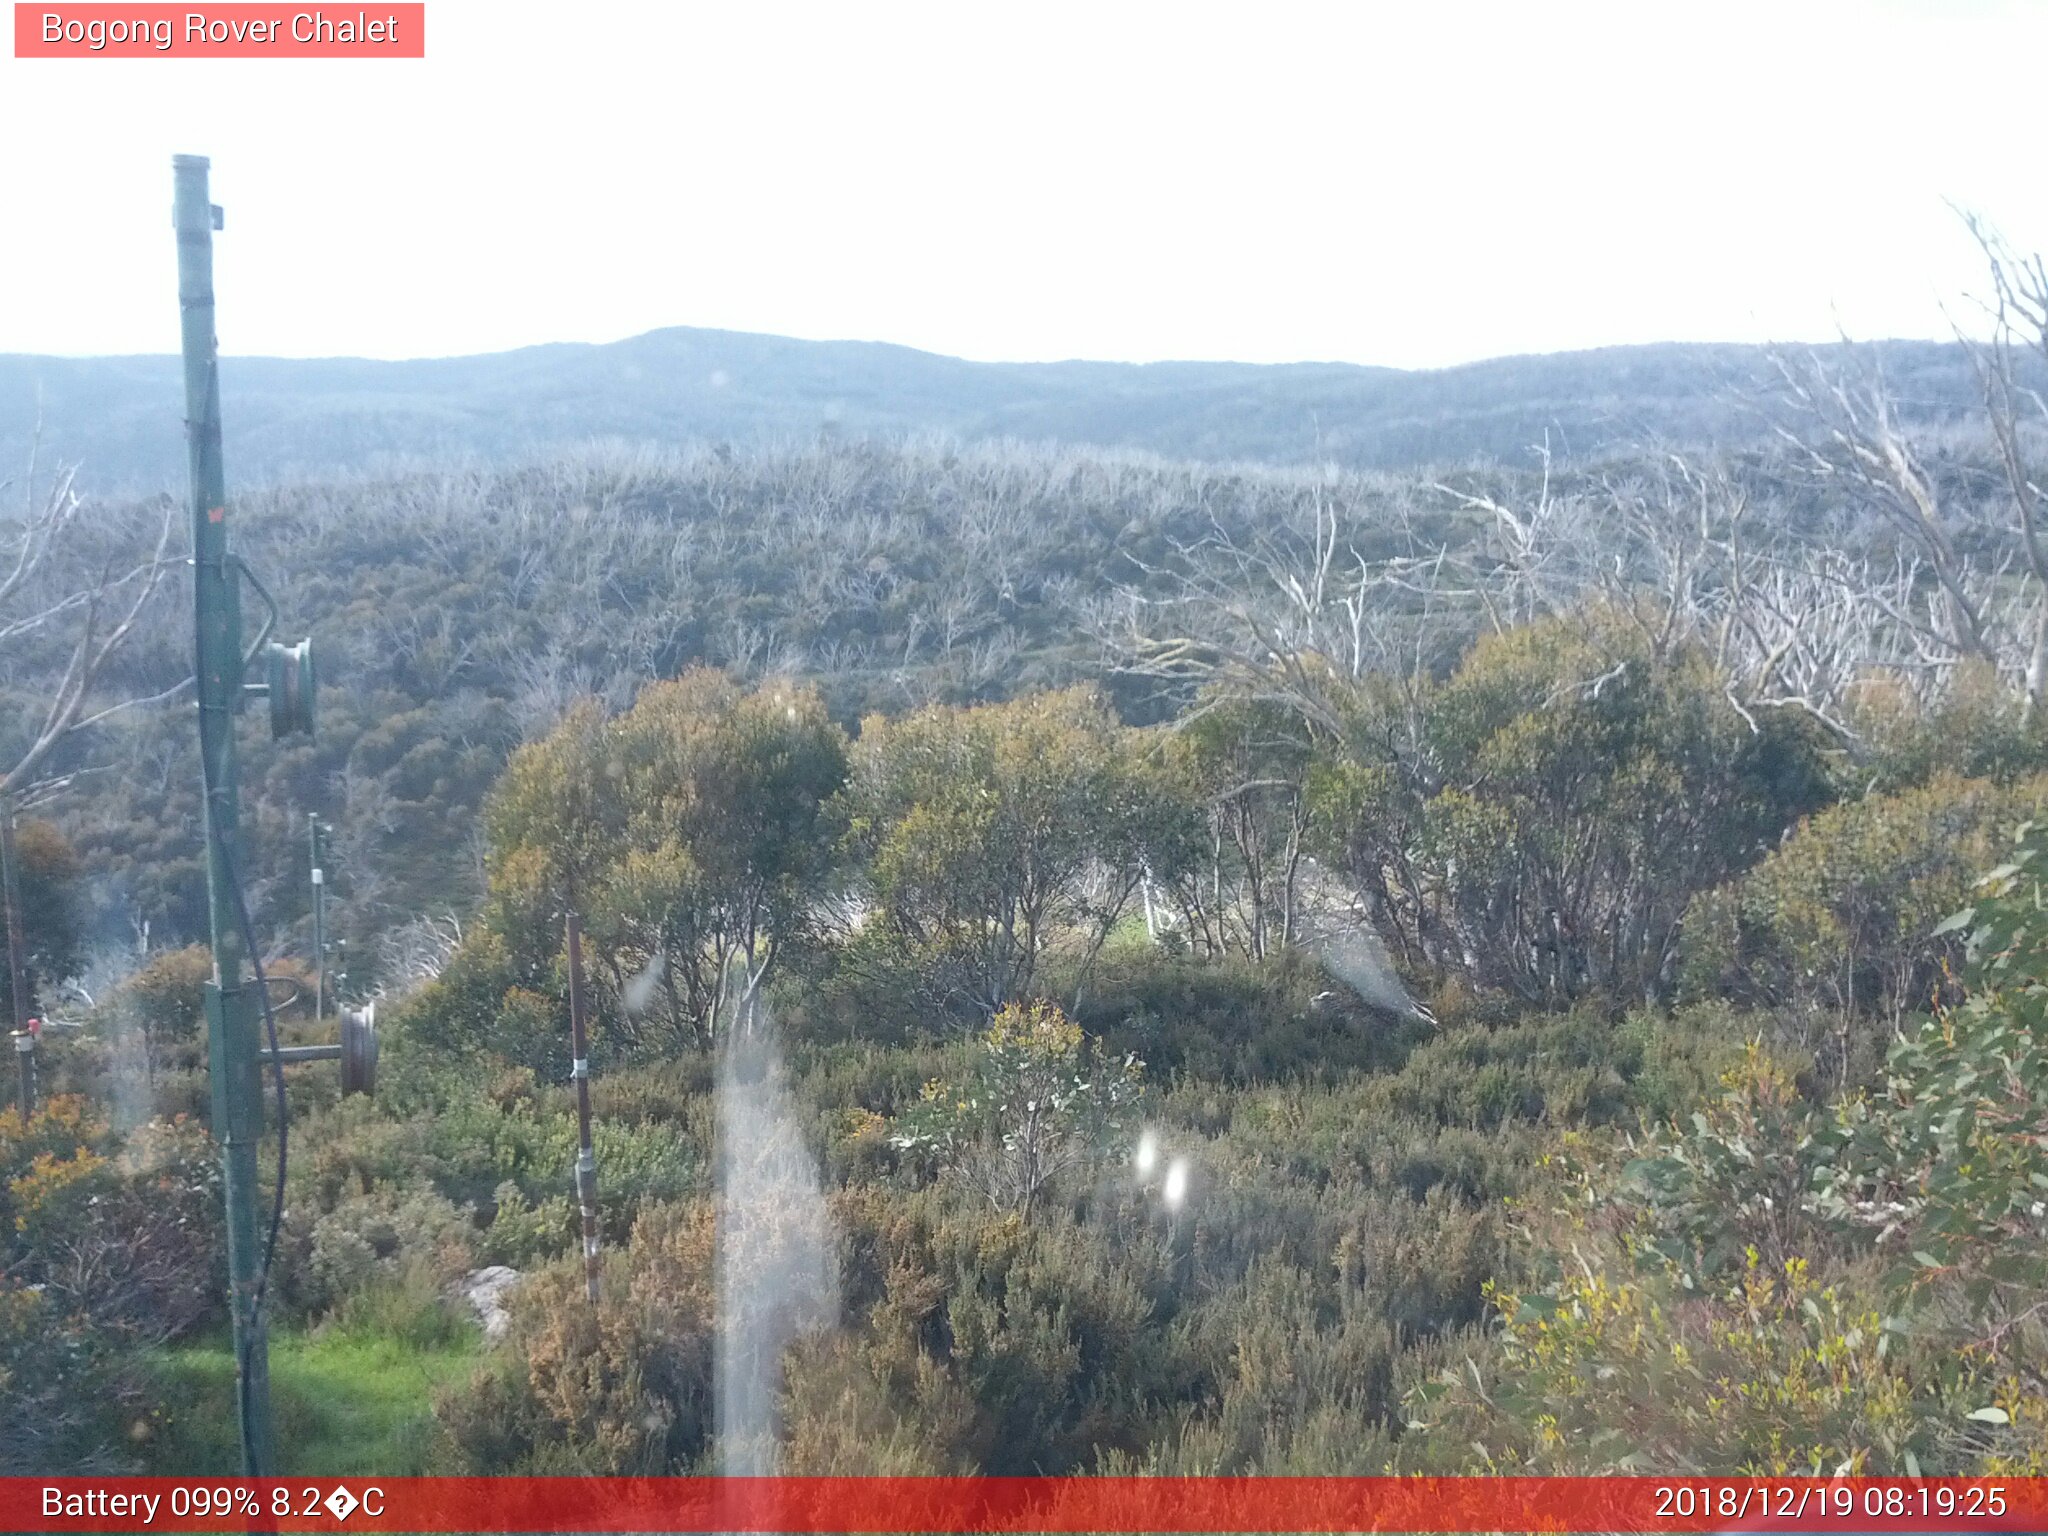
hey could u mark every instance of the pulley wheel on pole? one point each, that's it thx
(359, 1049)
(289, 682)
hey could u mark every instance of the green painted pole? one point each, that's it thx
(231, 1004)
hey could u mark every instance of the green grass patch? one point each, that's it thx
(347, 1403)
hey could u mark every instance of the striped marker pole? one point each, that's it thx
(579, 1070)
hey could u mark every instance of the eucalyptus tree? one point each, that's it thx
(994, 833)
(690, 833)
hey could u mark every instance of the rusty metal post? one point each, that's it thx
(579, 1070)
(10, 891)
(17, 962)
(25, 1054)
(319, 921)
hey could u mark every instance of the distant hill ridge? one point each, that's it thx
(298, 419)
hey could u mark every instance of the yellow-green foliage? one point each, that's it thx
(65, 1123)
(1233, 875)
(120, 1235)
(982, 827)
(163, 1004)
(1839, 922)
(56, 1191)
(1734, 1178)
(1945, 1165)
(1550, 1226)
(688, 832)
(1977, 728)
(1542, 817)
(1775, 1289)
(1766, 1373)
(1037, 1101)
(1611, 1356)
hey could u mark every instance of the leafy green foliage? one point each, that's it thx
(1037, 1101)
(376, 1240)
(1732, 1184)
(1947, 1163)
(1691, 1328)
(1536, 832)
(52, 918)
(1840, 927)
(689, 833)
(1239, 889)
(1977, 728)
(993, 832)
(1766, 1374)
(125, 1238)
(1233, 1020)
(1541, 819)
(162, 1008)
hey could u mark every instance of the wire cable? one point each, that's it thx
(247, 928)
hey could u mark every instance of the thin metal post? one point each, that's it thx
(17, 963)
(319, 923)
(232, 1009)
(10, 891)
(579, 1070)
(25, 1054)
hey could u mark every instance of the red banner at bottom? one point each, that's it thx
(1024, 1504)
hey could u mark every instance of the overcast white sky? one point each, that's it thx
(1414, 183)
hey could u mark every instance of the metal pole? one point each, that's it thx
(231, 1005)
(25, 1054)
(319, 924)
(17, 962)
(10, 891)
(579, 1070)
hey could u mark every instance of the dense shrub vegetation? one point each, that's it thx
(1364, 1264)
(1276, 971)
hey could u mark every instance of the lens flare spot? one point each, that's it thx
(1176, 1187)
(1146, 1158)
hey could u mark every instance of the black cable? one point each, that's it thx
(233, 881)
(248, 928)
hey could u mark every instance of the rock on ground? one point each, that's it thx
(484, 1290)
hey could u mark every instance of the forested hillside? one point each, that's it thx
(292, 419)
(1277, 969)
(457, 614)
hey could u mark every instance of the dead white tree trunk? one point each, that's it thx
(42, 592)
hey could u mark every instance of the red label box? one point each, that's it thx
(225, 31)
